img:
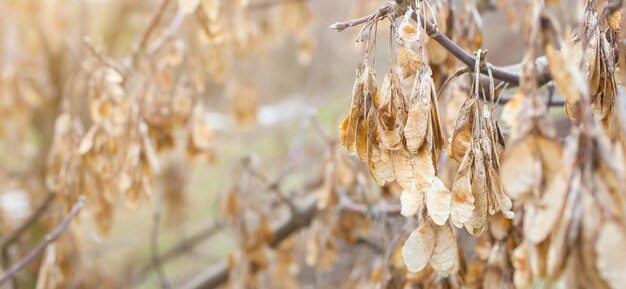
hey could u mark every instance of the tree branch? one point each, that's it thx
(502, 73)
(32, 219)
(44, 243)
(176, 251)
(154, 21)
(282, 229)
(154, 244)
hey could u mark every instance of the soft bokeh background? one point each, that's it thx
(296, 87)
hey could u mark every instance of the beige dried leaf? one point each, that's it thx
(438, 202)
(462, 135)
(362, 133)
(478, 221)
(567, 77)
(381, 166)
(87, 142)
(419, 247)
(540, 220)
(408, 62)
(462, 202)
(411, 202)
(521, 171)
(445, 258)
(417, 124)
(423, 169)
(353, 117)
(408, 32)
(188, 6)
(611, 250)
(403, 169)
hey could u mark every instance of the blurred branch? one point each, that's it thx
(156, 18)
(19, 231)
(154, 244)
(178, 250)
(270, 3)
(507, 74)
(283, 229)
(32, 219)
(610, 8)
(44, 243)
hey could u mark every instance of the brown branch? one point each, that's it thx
(178, 250)
(610, 8)
(32, 219)
(154, 21)
(6, 243)
(282, 229)
(271, 3)
(501, 73)
(154, 244)
(44, 243)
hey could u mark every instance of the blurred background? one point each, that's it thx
(232, 96)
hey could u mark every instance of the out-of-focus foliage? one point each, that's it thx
(440, 176)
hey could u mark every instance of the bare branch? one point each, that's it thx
(282, 229)
(154, 21)
(271, 3)
(178, 250)
(154, 243)
(611, 7)
(504, 74)
(45, 242)
(32, 219)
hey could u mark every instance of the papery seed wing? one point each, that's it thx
(355, 110)
(362, 131)
(381, 166)
(477, 222)
(438, 202)
(411, 202)
(462, 135)
(445, 258)
(503, 200)
(462, 203)
(521, 171)
(424, 169)
(407, 62)
(540, 220)
(403, 169)
(611, 250)
(419, 247)
(417, 124)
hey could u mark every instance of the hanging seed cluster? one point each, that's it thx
(542, 208)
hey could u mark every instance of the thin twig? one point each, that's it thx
(178, 250)
(610, 8)
(271, 3)
(168, 33)
(154, 244)
(45, 242)
(156, 18)
(282, 229)
(19, 231)
(501, 73)
(32, 219)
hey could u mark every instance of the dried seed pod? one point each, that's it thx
(419, 247)
(462, 203)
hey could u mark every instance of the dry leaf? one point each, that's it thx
(419, 247)
(462, 202)
(438, 202)
(445, 258)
